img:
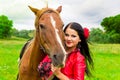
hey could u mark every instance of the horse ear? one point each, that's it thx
(59, 9)
(33, 10)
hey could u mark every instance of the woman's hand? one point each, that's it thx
(55, 70)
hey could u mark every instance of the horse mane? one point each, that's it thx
(24, 47)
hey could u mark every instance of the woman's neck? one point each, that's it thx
(70, 49)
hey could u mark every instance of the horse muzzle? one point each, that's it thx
(58, 60)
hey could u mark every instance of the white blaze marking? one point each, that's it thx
(57, 36)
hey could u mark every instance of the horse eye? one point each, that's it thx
(41, 26)
(62, 25)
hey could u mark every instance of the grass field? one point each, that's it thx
(106, 60)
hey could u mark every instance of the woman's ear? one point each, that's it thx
(79, 40)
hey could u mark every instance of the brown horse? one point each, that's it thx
(48, 40)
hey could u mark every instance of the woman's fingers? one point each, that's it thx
(55, 69)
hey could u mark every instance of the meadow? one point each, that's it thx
(106, 60)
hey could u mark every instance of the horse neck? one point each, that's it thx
(37, 54)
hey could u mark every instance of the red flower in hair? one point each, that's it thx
(86, 32)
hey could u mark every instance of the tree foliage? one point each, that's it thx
(98, 36)
(22, 33)
(5, 26)
(112, 27)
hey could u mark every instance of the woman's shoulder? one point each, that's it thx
(78, 55)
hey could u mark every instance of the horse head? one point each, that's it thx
(49, 33)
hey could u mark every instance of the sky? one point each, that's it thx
(89, 13)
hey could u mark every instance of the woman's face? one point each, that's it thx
(71, 38)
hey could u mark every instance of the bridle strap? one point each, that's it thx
(41, 47)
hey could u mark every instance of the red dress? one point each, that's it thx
(75, 65)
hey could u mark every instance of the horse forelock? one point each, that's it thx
(44, 10)
(41, 12)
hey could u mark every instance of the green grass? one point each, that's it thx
(9, 53)
(106, 60)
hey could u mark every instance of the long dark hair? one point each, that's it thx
(83, 45)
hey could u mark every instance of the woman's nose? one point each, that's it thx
(69, 38)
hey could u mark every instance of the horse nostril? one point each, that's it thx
(57, 60)
(55, 56)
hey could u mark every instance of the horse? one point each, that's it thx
(48, 40)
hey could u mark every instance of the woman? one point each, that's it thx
(78, 55)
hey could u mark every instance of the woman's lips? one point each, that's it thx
(68, 42)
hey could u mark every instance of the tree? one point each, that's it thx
(23, 34)
(28, 34)
(112, 27)
(99, 36)
(5, 26)
(96, 35)
(15, 32)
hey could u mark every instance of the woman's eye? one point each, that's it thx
(73, 36)
(66, 35)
